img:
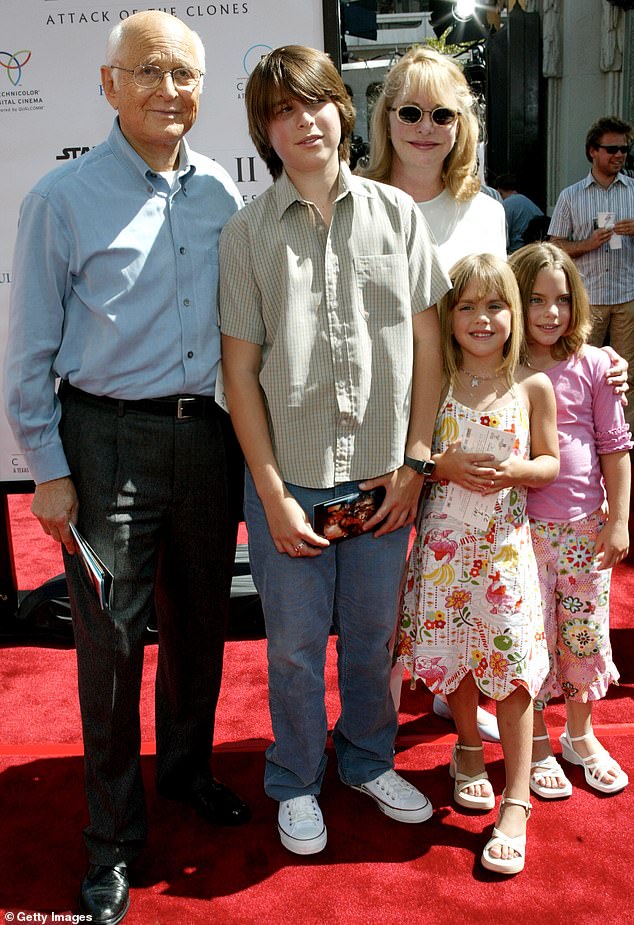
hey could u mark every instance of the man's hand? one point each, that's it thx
(625, 226)
(599, 237)
(291, 530)
(402, 491)
(55, 504)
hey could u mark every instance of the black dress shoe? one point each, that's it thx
(212, 801)
(104, 894)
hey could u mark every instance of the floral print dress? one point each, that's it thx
(470, 600)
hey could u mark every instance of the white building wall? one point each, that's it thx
(589, 83)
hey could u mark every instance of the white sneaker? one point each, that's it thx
(397, 798)
(487, 723)
(301, 825)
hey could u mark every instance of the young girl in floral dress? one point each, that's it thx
(576, 540)
(470, 610)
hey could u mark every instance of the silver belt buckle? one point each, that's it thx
(181, 412)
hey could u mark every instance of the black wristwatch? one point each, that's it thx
(422, 466)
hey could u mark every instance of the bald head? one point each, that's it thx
(154, 118)
(152, 27)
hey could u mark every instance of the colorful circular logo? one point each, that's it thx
(13, 62)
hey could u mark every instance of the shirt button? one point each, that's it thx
(186, 303)
(190, 354)
(182, 250)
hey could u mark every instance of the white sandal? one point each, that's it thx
(462, 781)
(594, 766)
(517, 844)
(548, 767)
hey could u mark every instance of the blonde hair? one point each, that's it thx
(301, 73)
(530, 260)
(423, 70)
(490, 274)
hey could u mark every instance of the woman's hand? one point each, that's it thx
(616, 375)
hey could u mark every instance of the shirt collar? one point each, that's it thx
(286, 194)
(592, 181)
(124, 151)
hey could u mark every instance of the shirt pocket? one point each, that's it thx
(383, 293)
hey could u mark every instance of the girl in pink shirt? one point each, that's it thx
(579, 522)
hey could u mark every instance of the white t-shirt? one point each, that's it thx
(463, 228)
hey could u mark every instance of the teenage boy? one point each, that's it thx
(332, 370)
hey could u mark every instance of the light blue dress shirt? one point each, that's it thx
(115, 288)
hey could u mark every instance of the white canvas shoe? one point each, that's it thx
(301, 825)
(397, 798)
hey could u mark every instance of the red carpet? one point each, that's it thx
(374, 871)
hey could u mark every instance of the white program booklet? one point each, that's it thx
(607, 220)
(474, 509)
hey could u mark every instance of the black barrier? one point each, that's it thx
(43, 614)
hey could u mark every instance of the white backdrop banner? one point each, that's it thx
(52, 107)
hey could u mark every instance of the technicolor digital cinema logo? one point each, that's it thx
(12, 62)
(251, 57)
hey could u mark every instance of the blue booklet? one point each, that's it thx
(98, 572)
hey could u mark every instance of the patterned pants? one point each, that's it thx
(576, 602)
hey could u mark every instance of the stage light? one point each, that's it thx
(464, 10)
(461, 21)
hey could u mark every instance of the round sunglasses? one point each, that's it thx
(411, 114)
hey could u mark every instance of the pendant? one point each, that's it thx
(475, 382)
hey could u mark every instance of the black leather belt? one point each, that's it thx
(181, 407)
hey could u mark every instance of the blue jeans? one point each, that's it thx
(354, 585)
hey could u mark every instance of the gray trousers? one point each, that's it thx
(159, 501)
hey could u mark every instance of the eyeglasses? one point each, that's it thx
(615, 149)
(149, 76)
(410, 114)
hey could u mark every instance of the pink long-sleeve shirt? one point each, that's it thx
(590, 424)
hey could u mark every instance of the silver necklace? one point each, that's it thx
(476, 379)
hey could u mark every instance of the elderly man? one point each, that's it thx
(115, 294)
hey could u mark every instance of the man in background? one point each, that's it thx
(593, 221)
(519, 210)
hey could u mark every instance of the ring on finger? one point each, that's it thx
(299, 547)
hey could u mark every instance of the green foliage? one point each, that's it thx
(440, 45)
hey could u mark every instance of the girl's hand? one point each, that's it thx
(473, 471)
(291, 530)
(510, 471)
(616, 375)
(612, 544)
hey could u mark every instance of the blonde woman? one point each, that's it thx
(424, 138)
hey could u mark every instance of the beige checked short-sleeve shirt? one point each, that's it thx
(332, 309)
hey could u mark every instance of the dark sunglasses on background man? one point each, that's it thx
(615, 149)
(410, 114)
